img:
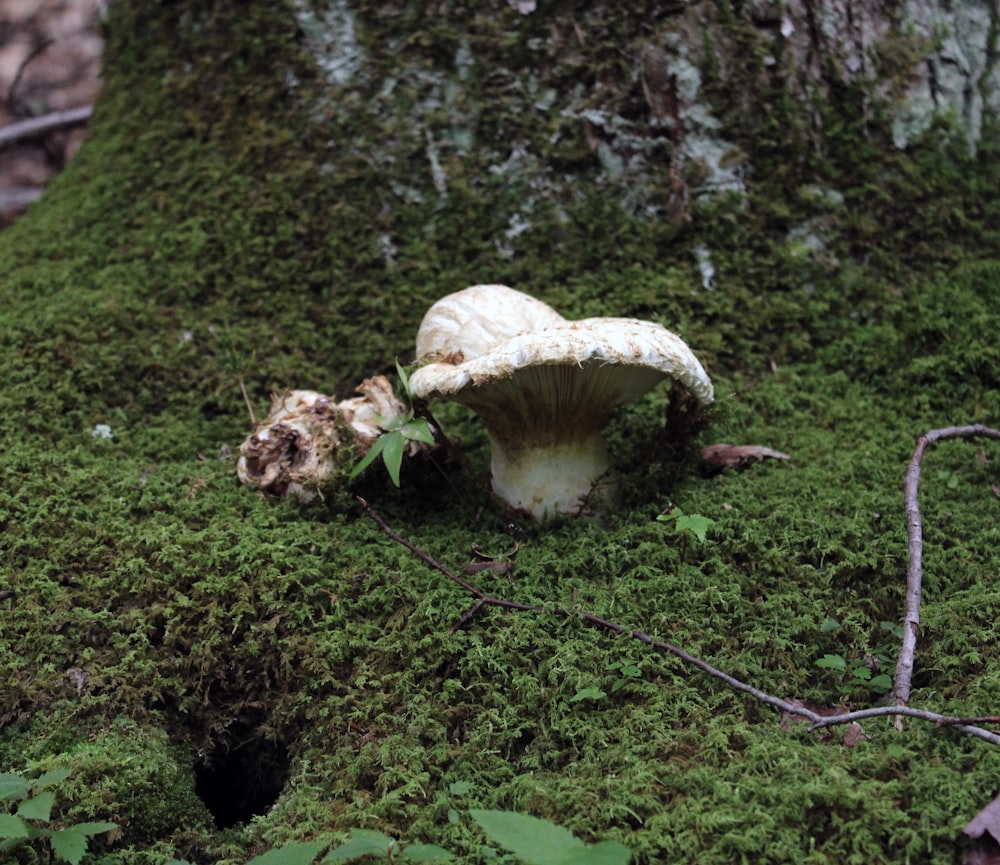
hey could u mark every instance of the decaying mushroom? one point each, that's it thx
(544, 387)
(307, 440)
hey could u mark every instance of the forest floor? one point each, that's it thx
(49, 62)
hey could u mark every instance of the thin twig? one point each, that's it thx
(37, 51)
(935, 718)
(45, 124)
(249, 405)
(427, 560)
(914, 573)
(981, 719)
(818, 720)
(19, 197)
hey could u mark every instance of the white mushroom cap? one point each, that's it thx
(473, 321)
(544, 386)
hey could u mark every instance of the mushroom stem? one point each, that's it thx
(570, 477)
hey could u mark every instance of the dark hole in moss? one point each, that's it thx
(242, 777)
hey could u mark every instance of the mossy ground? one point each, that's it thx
(207, 232)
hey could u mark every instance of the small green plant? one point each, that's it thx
(391, 445)
(686, 525)
(30, 821)
(696, 524)
(529, 840)
(628, 671)
(951, 479)
(874, 669)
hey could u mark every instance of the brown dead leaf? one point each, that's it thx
(996, 489)
(726, 456)
(853, 734)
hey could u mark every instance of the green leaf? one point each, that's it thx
(591, 693)
(392, 454)
(403, 377)
(425, 853)
(537, 842)
(603, 853)
(832, 662)
(12, 827)
(49, 779)
(13, 787)
(828, 626)
(70, 844)
(362, 842)
(368, 458)
(881, 683)
(37, 807)
(460, 788)
(696, 524)
(418, 430)
(296, 853)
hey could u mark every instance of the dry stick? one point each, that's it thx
(914, 573)
(426, 559)
(816, 718)
(43, 125)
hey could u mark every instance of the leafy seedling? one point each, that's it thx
(33, 813)
(696, 524)
(391, 445)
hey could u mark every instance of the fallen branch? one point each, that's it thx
(19, 197)
(914, 573)
(37, 126)
(794, 708)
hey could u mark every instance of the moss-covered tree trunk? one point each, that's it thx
(275, 193)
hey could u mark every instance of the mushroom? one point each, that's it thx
(545, 387)
(307, 439)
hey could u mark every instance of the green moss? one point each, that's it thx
(209, 231)
(122, 771)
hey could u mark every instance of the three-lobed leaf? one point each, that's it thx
(697, 524)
